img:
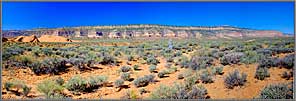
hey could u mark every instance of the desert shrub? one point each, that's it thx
(184, 63)
(269, 62)
(235, 79)
(287, 75)
(162, 92)
(277, 50)
(227, 48)
(50, 89)
(152, 60)
(179, 91)
(168, 65)
(59, 81)
(178, 53)
(265, 52)
(142, 91)
(130, 95)
(12, 51)
(130, 58)
(17, 84)
(136, 67)
(261, 73)
(125, 76)
(117, 53)
(119, 83)
(125, 68)
(150, 77)
(172, 69)
(49, 66)
(26, 90)
(78, 84)
(24, 60)
(107, 59)
(250, 57)
(47, 51)
(161, 74)
(96, 81)
(180, 76)
(205, 77)
(218, 55)
(276, 91)
(231, 58)
(79, 63)
(197, 63)
(143, 81)
(217, 70)
(191, 81)
(68, 54)
(152, 68)
(170, 59)
(288, 61)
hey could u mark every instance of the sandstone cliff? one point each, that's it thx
(154, 31)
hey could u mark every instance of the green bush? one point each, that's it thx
(261, 73)
(60, 81)
(130, 95)
(76, 83)
(235, 79)
(125, 76)
(276, 91)
(125, 68)
(179, 91)
(79, 84)
(287, 75)
(130, 58)
(152, 68)
(217, 70)
(136, 67)
(49, 66)
(119, 83)
(143, 81)
(161, 74)
(50, 89)
(18, 85)
(231, 58)
(152, 60)
(205, 77)
(197, 63)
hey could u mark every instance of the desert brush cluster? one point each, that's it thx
(149, 69)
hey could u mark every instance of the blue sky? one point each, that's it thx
(257, 15)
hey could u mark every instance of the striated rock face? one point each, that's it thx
(265, 34)
(153, 31)
(234, 34)
(182, 34)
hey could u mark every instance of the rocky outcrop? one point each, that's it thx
(153, 31)
(31, 38)
(265, 34)
(4, 39)
(51, 38)
(234, 34)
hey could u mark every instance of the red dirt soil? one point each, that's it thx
(216, 90)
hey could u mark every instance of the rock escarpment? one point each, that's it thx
(153, 31)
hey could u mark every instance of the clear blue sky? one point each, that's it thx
(257, 15)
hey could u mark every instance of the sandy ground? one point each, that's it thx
(216, 90)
